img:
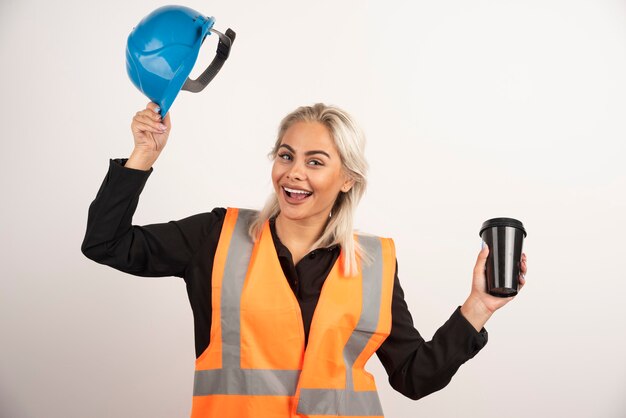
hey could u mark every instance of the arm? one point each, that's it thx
(417, 367)
(111, 239)
(153, 250)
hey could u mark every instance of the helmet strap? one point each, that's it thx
(222, 53)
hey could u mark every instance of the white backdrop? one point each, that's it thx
(472, 109)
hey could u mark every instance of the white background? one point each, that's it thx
(472, 109)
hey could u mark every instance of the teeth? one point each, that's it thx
(296, 191)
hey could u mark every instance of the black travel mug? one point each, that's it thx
(504, 237)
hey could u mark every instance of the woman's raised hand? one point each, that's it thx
(150, 134)
(480, 305)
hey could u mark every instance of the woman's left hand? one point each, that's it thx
(479, 282)
(480, 305)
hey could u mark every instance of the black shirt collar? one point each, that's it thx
(283, 251)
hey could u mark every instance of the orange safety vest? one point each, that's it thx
(256, 364)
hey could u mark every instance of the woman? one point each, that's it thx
(288, 303)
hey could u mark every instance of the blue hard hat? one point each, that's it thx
(162, 50)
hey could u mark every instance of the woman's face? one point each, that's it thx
(307, 173)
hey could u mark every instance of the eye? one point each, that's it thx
(285, 156)
(315, 163)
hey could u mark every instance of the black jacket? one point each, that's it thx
(186, 248)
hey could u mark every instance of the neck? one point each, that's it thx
(299, 236)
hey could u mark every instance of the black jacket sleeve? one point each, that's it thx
(154, 250)
(185, 248)
(417, 367)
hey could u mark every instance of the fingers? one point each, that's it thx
(156, 115)
(145, 127)
(143, 124)
(151, 111)
(154, 107)
(523, 271)
(149, 120)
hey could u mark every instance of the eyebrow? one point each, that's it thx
(312, 152)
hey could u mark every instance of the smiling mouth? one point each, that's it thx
(296, 194)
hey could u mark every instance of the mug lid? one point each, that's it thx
(514, 223)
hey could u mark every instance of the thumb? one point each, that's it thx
(481, 261)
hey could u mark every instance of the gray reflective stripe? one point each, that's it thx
(348, 402)
(231, 379)
(371, 295)
(237, 261)
(339, 402)
(245, 382)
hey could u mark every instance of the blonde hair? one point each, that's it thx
(350, 143)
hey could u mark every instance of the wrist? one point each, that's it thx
(141, 159)
(476, 312)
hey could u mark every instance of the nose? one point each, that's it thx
(296, 172)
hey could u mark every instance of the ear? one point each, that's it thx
(347, 185)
